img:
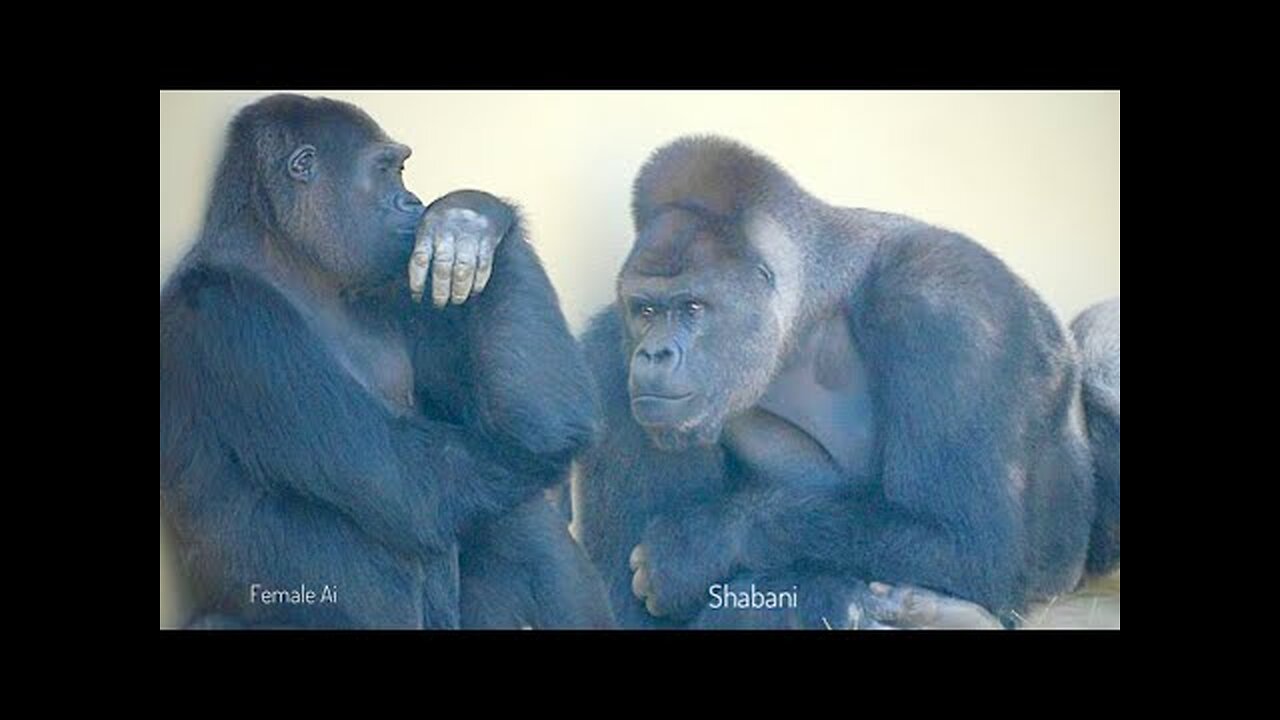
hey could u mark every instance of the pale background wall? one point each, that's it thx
(1033, 176)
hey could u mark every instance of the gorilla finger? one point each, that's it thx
(420, 261)
(442, 269)
(419, 265)
(921, 608)
(860, 619)
(637, 557)
(917, 608)
(640, 583)
(652, 606)
(888, 604)
(464, 269)
(484, 265)
(914, 607)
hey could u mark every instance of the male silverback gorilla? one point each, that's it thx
(855, 407)
(320, 426)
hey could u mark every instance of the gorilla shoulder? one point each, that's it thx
(223, 309)
(939, 269)
(930, 278)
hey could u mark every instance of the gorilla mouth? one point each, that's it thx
(661, 410)
(668, 398)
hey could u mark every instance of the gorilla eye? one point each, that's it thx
(647, 311)
(766, 273)
(693, 307)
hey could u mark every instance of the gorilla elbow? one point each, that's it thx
(577, 434)
(555, 432)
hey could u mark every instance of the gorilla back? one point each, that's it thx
(802, 394)
(320, 428)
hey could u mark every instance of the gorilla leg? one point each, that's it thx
(521, 568)
(525, 570)
(236, 554)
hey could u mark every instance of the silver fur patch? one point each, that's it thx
(782, 255)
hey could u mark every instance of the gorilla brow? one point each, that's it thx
(668, 252)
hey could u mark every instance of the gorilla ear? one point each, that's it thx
(302, 163)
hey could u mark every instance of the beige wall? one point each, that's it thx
(1033, 176)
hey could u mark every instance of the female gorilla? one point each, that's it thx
(322, 427)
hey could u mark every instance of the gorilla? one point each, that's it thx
(1097, 332)
(335, 452)
(854, 410)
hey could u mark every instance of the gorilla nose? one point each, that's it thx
(657, 357)
(654, 368)
(407, 202)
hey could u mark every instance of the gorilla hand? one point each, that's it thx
(679, 558)
(460, 233)
(884, 607)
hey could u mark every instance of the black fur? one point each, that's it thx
(277, 467)
(1097, 331)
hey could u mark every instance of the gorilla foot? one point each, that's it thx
(906, 607)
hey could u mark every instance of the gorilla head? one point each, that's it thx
(711, 289)
(322, 179)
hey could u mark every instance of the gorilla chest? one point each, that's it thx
(378, 360)
(823, 390)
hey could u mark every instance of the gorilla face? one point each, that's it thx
(703, 335)
(351, 213)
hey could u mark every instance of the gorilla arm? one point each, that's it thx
(504, 363)
(785, 510)
(793, 509)
(277, 402)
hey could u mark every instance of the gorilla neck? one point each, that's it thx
(255, 245)
(296, 276)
